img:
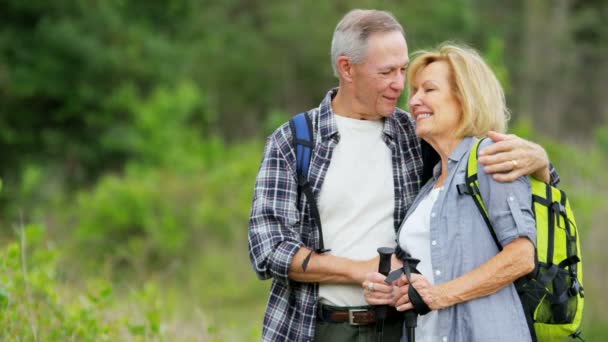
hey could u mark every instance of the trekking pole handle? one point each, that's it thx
(384, 267)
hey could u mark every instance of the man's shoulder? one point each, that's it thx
(281, 137)
(283, 134)
(402, 121)
(402, 117)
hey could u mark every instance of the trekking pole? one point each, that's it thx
(411, 316)
(384, 267)
(420, 307)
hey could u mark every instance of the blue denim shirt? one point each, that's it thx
(461, 241)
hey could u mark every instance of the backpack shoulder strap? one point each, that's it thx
(301, 131)
(471, 187)
(303, 142)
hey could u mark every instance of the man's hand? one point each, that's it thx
(377, 292)
(512, 157)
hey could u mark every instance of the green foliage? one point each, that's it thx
(36, 305)
(124, 127)
(275, 119)
(601, 138)
(149, 217)
(494, 56)
(62, 65)
(167, 128)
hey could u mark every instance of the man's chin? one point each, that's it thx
(387, 112)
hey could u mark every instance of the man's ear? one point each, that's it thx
(345, 68)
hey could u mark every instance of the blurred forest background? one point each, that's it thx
(131, 133)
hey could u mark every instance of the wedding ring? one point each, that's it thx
(514, 162)
(370, 286)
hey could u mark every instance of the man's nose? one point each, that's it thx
(398, 82)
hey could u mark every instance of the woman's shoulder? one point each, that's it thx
(487, 178)
(485, 142)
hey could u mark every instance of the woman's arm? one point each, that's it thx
(514, 261)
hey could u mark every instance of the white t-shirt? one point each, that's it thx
(357, 203)
(415, 238)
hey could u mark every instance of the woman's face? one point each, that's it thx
(433, 104)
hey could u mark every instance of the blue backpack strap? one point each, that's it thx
(301, 131)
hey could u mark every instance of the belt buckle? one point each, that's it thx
(351, 316)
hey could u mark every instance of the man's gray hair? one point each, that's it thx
(352, 32)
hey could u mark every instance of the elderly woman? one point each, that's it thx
(465, 280)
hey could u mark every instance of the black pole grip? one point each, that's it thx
(385, 259)
(384, 267)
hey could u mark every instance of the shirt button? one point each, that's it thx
(432, 214)
(511, 198)
(437, 272)
(445, 339)
(433, 242)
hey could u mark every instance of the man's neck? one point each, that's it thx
(345, 104)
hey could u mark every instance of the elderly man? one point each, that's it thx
(366, 168)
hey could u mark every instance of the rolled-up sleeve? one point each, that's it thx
(509, 206)
(273, 239)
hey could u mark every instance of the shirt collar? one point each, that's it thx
(327, 123)
(463, 147)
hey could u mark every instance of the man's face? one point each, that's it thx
(379, 80)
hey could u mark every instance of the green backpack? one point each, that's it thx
(552, 295)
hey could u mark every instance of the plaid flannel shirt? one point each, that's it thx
(279, 224)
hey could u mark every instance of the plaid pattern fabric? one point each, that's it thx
(280, 222)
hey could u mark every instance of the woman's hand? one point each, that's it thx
(427, 291)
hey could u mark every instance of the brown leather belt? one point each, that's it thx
(353, 316)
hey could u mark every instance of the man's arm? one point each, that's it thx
(272, 239)
(512, 157)
(327, 268)
(276, 249)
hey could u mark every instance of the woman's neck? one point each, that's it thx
(444, 147)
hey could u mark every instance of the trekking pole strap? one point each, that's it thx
(420, 307)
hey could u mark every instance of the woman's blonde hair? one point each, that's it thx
(474, 84)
